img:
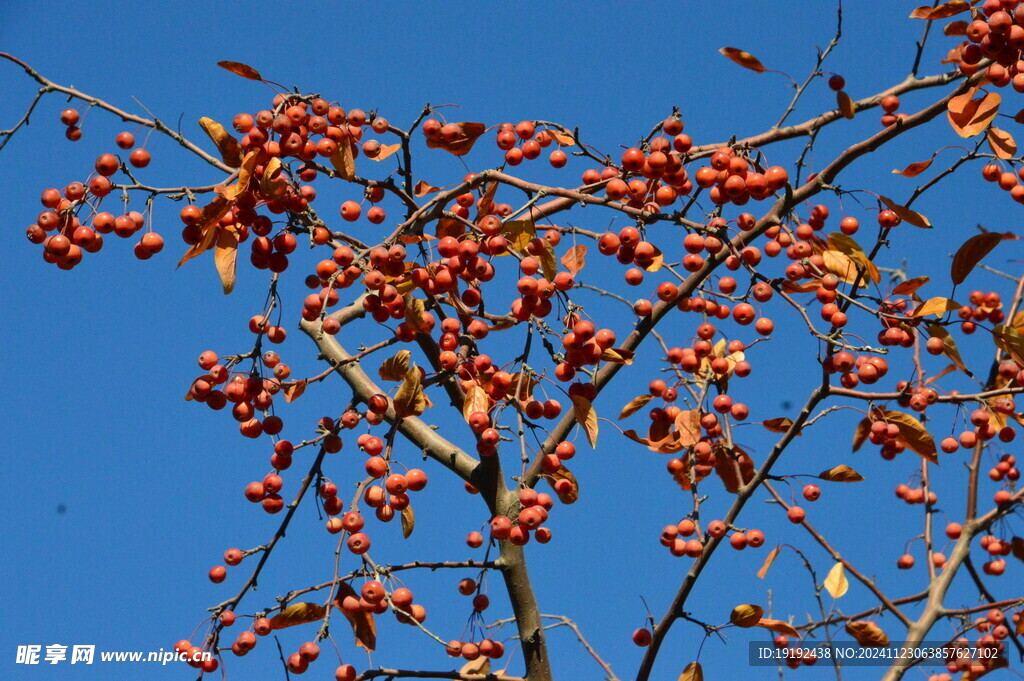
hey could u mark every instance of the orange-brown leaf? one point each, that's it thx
(423, 188)
(943, 11)
(905, 214)
(972, 252)
(635, 405)
(463, 143)
(385, 151)
(573, 493)
(845, 104)
(362, 622)
(293, 391)
(914, 169)
(768, 562)
(344, 160)
(225, 257)
(860, 435)
(575, 258)
(1002, 143)
(937, 306)
(211, 213)
(240, 69)
(914, 434)
(617, 356)
(298, 613)
(910, 286)
(779, 627)
(970, 116)
(746, 615)
(227, 145)
(744, 59)
(586, 417)
(841, 473)
(780, 424)
(867, 634)
(955, 28)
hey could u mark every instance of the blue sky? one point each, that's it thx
(151, 486)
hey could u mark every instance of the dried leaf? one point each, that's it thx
(768, 562)
(548, 265)
(481, 666)
(658, 262)
(910, 286)
(1002, 143)
(463, 143)
(849, 247)
(970, 116)
(635, 405)
(245, 172)
(385, 151)
(519, 234)
(836, 583)
(561, 138)
(914, 434)
(845, 104)
(948, 346)
(1010, 341)
(867, 634)
(225, 257)
(476, 400)
(586, 417)
(227, 145)
(566, 497)
(746, 615)
(211, 213)
(937, 306)
(362, 622)
(293, 391)
(408, 521)
(841, 473)
(273, 183)
(905, 214)
(687, 424)
(943, 11)
(860, 435)
(410, 400)
(423, 188)
(780, 424)
(395, 368)
(617, 356)
(693, 672)
(955, 28)
(779, 627)
(972, 252)
(914, 169)
(240, 69)
(575, 258)
(744, 59)
(298, 613)
(414, 310)
(344, 160)
(726, 464)
(1017, 549)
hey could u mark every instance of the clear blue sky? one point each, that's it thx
(97, 360)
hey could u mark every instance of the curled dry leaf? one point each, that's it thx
(768, 562)
(849, 247)
(240, 69)
(294, 391)
(914, 169)
(744, 59)
(955, 28)
(860, 435)
(693, 672)
(225, 257)
(298, 613)
(914, 434)
(972, 252)
(635, 405)
(575, 258)
(937, 306)
(841, 473)
(779, 627)
(385, 151)
(481, 666)
(362, 622)
(476, 400)
(273, 183)
(410, 400)
(1002, 143)
(463, 143)
(408, 521)
(227, 145)
(867, 634)
(780, 424)
(910, 217)
(573, 493)
(586, 417)
(836, 583)
(1009, 340)
(423, 188)
(910, 286)
(211, 213)
(563, 139)
(344, 160)
(414, 310)
(746, 615)
(971, 116)
(845, 104)
(943, 11)
(395, 368)
(617, 356)
(1017, 548)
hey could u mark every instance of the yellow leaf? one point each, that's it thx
(845, 104)
(1002, 143)
(768, 562)
(867, 634)
(909, 286)
(779, 627)
(937, 306)
(905, 214)
(617, 356)
(240, 69)
(344, 160)
(414, 309)
(970, 116)
(841, 473)
(836, 583)
(298, 613)
(586, 417)
(294, 390)
(547, 262)
(395, 368)
(849, 247)
(635, 405)
(476, 400)
(1010, 341)
(573, 493)
(408, 521)
(519, 234)
(693, 672)
(225, 256)
(943, 11)
(385, 151)
(410, 400)
(746, 615)
(914, 434)
(575, 258)
(971, 253)
(227, 145)
(463, 143)
(744, 59)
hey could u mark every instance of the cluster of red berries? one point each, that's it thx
(998, 36)
(532, 514)
(985, 427)
(192, 654)
(984, 307)
(249, 393)
(798, 655)
(520, 141)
